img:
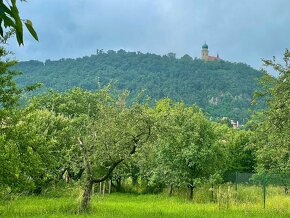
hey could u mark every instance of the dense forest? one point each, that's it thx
(220, 88)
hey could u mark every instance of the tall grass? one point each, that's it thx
(246, 203)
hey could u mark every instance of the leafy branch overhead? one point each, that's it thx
(10, 19)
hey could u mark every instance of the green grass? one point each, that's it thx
(130, 205)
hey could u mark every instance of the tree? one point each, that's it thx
(109, 139)
(271, 137)
(10, 18)
(237, 144)
(32, 151)
(10, 115)
(186, 149)
(107, 131)
(9, 92)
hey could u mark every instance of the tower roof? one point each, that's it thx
(205, 45)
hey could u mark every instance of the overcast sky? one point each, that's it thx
(241, 31)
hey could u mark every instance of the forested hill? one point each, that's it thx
(221, 88)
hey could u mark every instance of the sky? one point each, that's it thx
(240, 31)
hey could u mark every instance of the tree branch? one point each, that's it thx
(86, 161)
(110, 170)
(116, 163)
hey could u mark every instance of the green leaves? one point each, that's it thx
(185, 149)
(10, 18)
(37, 146)
(30, 28)
(9, 92)
(271, 137)
(17, 22)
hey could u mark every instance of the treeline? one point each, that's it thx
(220, 88)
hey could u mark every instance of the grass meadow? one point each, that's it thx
(248, 202)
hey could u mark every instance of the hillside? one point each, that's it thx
(221, 88)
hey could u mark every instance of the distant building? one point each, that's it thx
(235, 124)
(205, 56)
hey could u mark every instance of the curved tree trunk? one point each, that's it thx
(87, 154)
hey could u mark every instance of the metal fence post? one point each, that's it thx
(264, 190)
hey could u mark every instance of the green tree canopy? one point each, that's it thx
(272, 132)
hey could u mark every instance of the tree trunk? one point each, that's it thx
(90, 179)
(190, 194)
(134, 180)
(110, 185)
(171, 190)
(119, 184)
(87, 195)
(190, 186)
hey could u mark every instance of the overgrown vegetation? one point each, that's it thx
(131, 205)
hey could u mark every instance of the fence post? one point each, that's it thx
(212, 194)
(264, 190)
(110, 185)
(228, 196)
(237, 176)
(104, 188)
(219, 197)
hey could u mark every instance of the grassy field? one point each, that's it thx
(130, 205)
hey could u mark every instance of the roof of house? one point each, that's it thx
(212, 58)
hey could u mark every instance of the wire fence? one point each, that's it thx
(264, 180)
